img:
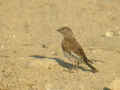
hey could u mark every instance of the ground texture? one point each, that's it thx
(30, 51)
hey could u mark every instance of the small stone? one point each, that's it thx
(53, 53)
(109, 34)
(44, 46)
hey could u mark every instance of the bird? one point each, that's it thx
(73, 50)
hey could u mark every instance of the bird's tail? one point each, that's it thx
(86, 60)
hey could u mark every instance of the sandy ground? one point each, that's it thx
(29, 43)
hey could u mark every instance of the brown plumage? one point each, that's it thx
(72, 48)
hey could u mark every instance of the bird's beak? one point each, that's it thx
(58, 30)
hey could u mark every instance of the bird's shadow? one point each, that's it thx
(61, 62)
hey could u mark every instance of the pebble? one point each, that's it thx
(109, 34)
(53, 53)
(44, 46)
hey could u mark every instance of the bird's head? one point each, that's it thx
(65, 31)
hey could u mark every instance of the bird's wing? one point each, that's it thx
(72, 47)
(77, 48)
(78, 51)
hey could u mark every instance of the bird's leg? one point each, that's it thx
(70, 68)
(74, 65)
(78, 62)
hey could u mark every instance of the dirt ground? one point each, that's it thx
(30, 47)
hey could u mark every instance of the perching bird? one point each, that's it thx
(73, 50)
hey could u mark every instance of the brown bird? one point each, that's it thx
(73, 50)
